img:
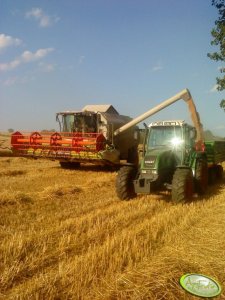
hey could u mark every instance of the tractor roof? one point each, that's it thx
(167, 123)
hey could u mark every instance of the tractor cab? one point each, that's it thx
(171, 134)
(171, 142)
(168, 146)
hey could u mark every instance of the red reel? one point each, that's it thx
(77, 137)
(35, 138)
(55, 138)
(14, 139)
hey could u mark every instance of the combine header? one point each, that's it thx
(58, 145)
(85, 136)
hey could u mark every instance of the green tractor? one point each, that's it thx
(169, 160)
(173, 157)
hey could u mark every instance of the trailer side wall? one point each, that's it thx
(215, 152)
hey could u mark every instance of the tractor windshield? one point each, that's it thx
(169, 136)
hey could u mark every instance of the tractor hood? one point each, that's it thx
(159, 156)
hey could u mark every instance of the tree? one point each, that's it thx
(218, 34)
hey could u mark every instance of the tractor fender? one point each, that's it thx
(182, 167)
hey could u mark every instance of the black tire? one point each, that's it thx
(201, 176)
(215, 174)
(212, 175)
(124, 183)
(182, 185)
(219, 172)
(69, 165)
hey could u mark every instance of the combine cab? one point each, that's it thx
(84, 137)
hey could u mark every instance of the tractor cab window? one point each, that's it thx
(169, 136)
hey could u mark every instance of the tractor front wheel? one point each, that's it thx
(182, 185)
(124, 183)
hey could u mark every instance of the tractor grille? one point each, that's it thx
(149, 161)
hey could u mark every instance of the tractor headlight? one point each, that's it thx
(153, 171)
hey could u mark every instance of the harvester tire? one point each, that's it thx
(69, 165)
(182, 185)
(201, 176)
(124, 183)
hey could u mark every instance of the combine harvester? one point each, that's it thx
(85, 136)
(174, 154)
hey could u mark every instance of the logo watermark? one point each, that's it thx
(200, 285)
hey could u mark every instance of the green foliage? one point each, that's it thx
(218, 34)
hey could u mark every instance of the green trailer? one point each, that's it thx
(215, 152)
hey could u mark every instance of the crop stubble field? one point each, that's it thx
(65, 235)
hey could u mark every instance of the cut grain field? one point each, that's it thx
(65, 235)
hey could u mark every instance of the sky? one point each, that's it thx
(60, 55)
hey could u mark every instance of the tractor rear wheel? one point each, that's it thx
(201, 176)
(182, 185)
(124, 183)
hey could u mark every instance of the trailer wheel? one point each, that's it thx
(182, 185)
(219, 172)
(212, 175)
(69, 165)
(124, 183)
(201, 176)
